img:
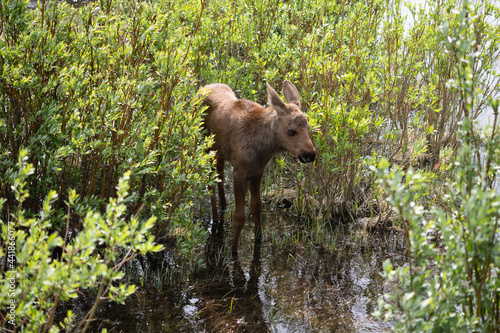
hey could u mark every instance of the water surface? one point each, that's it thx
(294, 286)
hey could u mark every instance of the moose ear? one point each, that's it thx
(273, 99)
(291, 93)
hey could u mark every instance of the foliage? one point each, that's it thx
(107, 89)
(451, 285)
(95, 94)
(368, 84)
(113, 84)
(95, 91)
(90, 260)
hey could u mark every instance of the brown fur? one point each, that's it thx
(248, 135)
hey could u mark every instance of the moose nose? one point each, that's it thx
(307, 157)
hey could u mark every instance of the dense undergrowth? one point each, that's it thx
(93, 93)
(451, 283)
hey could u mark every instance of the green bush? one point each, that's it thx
(451, 284)
(95, 91)
(33, 284)
(95, 94)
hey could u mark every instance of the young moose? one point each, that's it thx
(248, 135)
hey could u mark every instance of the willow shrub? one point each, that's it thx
(451, 284)
(93, 92)
(382, 89)
(370, 84)
(34, 283)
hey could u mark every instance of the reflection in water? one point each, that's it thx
(297, 288)
(329, 292)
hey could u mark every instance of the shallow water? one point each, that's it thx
(297, 287)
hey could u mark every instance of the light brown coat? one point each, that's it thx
(248, 135)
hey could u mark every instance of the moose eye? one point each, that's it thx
(291, 132)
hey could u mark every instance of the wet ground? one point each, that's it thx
(285, 284)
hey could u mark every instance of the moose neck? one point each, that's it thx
(268, 143)
(272, 127)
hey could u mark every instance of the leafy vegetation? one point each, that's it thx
(451, 284)
(91, 259)
(102, 146)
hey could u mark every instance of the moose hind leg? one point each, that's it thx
(220, 162)
(213, 202)
(220, 184)
(256, 205)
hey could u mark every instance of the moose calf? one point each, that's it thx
(248, 135)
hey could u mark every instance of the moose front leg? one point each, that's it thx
(256, 205)
(239, 217)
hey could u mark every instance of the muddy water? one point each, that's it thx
(292, 287)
